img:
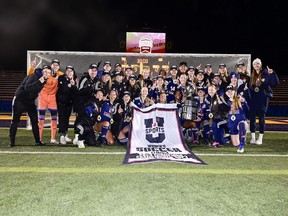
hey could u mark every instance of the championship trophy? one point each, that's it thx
(189, 108)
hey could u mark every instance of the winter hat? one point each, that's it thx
(257, 61)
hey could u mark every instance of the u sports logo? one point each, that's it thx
(154, 130)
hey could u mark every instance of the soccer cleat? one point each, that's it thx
(67, 139)
(240, 149)
(80, 144)
(189, 139)
(62, 140)
(196, 142)
(258, 142)
(215, 145)
(75, 140)
(253, 141)
(40, 143)
(53, 141)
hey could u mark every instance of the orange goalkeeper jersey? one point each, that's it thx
(51, 84)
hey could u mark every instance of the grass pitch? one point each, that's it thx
(65, 180)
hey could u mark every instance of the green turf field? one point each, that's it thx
(58, 180)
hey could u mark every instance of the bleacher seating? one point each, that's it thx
(280, 92)
(9, 81)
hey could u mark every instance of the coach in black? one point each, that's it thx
(24, 101)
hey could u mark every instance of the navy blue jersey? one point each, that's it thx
(203, 109)
(107, 111)
(235, 116)
(154, 93)
(126, 115)
(171, 85)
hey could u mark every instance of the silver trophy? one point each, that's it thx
(189, 108)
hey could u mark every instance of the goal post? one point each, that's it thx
(155, 61)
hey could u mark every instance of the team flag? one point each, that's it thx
(155, 134)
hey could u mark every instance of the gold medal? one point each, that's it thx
(210, 115)
(99, 118)
(127, 119)
(233, 117)
(256, 89)
(111, 121)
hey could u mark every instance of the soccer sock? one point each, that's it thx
(195, 134)
(253, 136)
(184, 132)
(53, 128)
(103, 133)
(53, 123)
(242, 133)
(260, 136)
(75, 139)
(41, 127)
(41, 122)
(211, 135)
(206, 130)
(189, 132)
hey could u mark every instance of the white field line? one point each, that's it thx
(24, 128)
(122, 153)
(129, 169)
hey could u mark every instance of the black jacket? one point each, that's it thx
(66, 91)
(84, 93)
(30, 87)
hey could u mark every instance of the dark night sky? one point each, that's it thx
(202, 26)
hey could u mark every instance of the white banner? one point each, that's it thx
(155, 134)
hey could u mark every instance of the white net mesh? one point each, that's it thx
(82, 60)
